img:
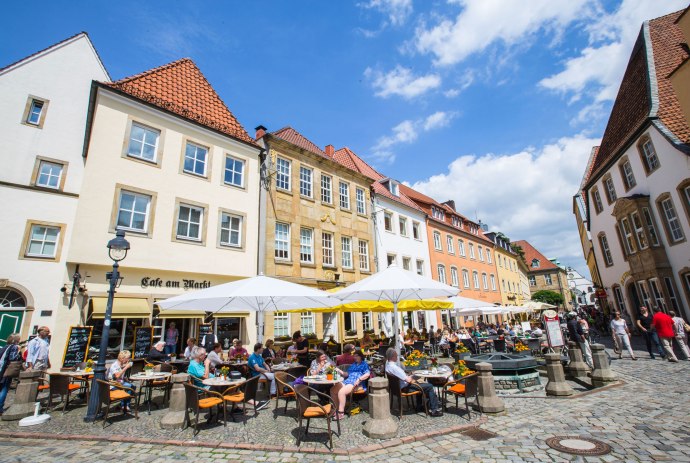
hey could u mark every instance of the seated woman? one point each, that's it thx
(366, 341)
(117, 371)
(269, 351)
(200, 367)
(191, 344)
(320, 363)
(356, 376)
(156, 353)
(424, 335)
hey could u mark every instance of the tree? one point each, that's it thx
(549, 297)
(519, 251)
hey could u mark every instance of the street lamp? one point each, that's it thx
(117, 250)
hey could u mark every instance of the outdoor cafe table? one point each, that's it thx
(438, 379)
(148, 378)
(321, 381)
(284, 366)
(220, 382)
(75, 373)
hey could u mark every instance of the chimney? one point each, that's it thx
(330, 150)
(451, 204)
(260, 131)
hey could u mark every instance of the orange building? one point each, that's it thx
(459, 253)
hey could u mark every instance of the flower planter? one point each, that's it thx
(329, 377)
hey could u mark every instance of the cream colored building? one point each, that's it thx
(168, 163)
(507, 270)
(319, 230)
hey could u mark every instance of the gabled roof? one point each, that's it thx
(531, 253)
(381, 189)
(291, 135)
(54, 47)
(181, 88)
(646, 92)
(349, 159)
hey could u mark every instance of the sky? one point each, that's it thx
(494, 104)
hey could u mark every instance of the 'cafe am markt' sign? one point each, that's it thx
(149, 282)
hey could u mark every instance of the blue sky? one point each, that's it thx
(495, 104)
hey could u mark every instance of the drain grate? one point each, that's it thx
(479, 434)
(576, 445)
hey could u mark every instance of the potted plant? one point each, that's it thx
(460, 369)
(434, 365)
(329, 372)
(415, 360)
(148, 369)
(462, 352)
(521, 349)
(351, 333)
(224, 372)
(89, 365)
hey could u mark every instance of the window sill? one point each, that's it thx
(307, 198)
(307, 265)
(189, 241)
(281, 190)
(348, 270)
(282, 262)
(364, 216)
(195, 175)
(327, 205)
(236, 187)
(230, 247)
(148, 162)
(345, 209)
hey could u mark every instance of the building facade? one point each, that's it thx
(636, 192)
(508, 271)
(43, 100)
(582, 289)
(543, 274)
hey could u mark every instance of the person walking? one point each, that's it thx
(681, 336)
(619, 328)
(644, 323)
(663, 324)
(10, 354)
(577, 334)
(171, 336)
(38, 351)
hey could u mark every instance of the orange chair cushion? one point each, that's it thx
(43, 388)
(209, 402)
(160, 383)
(312, 412)
(457, 389)
(119, 394)
(74, 387)
(409, 393)
(287, 394)
(239, 397)
(359, 390)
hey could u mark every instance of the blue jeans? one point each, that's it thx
(430, 392)
(170, 349)
(125, 403)
(651, 337)
(4, 389)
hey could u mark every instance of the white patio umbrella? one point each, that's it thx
(395, 284)
(532, 306)
(258, 294)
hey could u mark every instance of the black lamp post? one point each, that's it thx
(117, 250)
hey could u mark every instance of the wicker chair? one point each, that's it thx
(283, 389)
(308, 409)
(467, 387)
(242, 394)
(63, 386)
(397, 392)
(197, 399)
(110, 392)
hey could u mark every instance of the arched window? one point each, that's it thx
(10, 298)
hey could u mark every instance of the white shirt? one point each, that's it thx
(679, 326)
(39, 349)
(394, 369)
(214, 359)
(619, 326)
(114, 369)
(188, 352)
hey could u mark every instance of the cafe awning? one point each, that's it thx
(230, 314)
(180, 314)
(123, 307)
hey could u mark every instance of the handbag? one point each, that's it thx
(13, 369)
(686, 327)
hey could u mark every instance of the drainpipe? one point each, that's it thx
(264, 185)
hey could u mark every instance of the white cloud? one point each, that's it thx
(396, 11)
(400, 81)
(482, 23)
(526, 195)
(437, 120)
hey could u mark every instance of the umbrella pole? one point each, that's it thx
(396, 330)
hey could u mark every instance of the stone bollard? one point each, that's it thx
(489, 402)
(554, 370)
(602, 374)
(24, 397)
(577, 366)
(380, 424)
(174, 419)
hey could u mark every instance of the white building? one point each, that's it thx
(582, 289)
(637, 187)
(43, 99)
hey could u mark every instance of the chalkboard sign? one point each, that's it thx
(143, 338)
(77, 347)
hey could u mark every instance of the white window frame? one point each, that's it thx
(363, 254)
(416, 230)
(360, 200)
(639, 230)
(532, 280)
(471, 246)
(43, 241)
(306, 181)
(306, 245)
(627, 236)
(35, 102)
(643, 292)
(657, 294)
(344, 195)
(326, 189)
(651, 229)
(195, 159)
(146, 131)
(620, 300)
(133, 211)
(488, 256)
(189, 223)
(485, 281)
(465, 278)
(441, 269)
(230, 230)
(610, 189)
(454, 281)
(650, 158)
(548, 281)
(606, 250)
(480, 253)
(49, 175)
(346, 252)
(492, 277)
(402, 225)
(461, 248)
(668, 282)
(406, 262)
(307, 322)
(437, 241)
(283, 174)
(449, 244)
(327, 249)
(281, 324)
(673, 226)
(475, 279)
(598, 204)
(420, 267)
(233, 172)
(628, 175)
(282, 241)
(388, 221)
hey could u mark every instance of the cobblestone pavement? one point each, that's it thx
(644, 419)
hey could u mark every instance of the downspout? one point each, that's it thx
(264, 185)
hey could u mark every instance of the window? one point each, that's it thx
(234, 171)
(346, 251)
(488, 256)
(360, 198)
(282, 241)
(327, 249)
(485, 282)
(610, 189)
(438, 213)
(441, 273)
(143, 142)
(454, 277)
(388, 221)
(672, 294)
(195, 159)
(596, 199)
(391, 259)
(639, 230)
(415, 230)
(605, 250)
(366, 321)
(344, 195)
(283, 174)
(649, 222)
(671, 221)
(627, 174)
(43, 241)
(627, 235)
(535, 263)
(306, 245)
(475, 278)
(420, 267)
(281, 324)
(480, 252)
(471, 246)
(532, 280)
(684, 193)
(493, 282)
(466, 278)
(189, 222)
(402, 224)
(620, 301)
(230, 230)
(393, 187)
(406, 263)
(326, 189)
(547, 280)
(461, 248)
(437, 241)
(456, 221)
(35, 112)
(49, 174)
(306, 176)
(449, 244)
(620, 241)
(306, 324)
(657, 294)
(363, 247)
(648, 154)
(643, 293)
(133, 211)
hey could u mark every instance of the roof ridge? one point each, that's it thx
(162, 67)
(43, 50)
(310, 146)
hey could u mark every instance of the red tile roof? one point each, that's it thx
(640, 93)
(181, 88)
(291, 135)
(349, 159)
(531, 253)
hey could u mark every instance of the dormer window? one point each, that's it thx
(457, 222)
(438, 213)
(535, 263)
(394, 188)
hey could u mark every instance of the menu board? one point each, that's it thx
(553, 331)
(143, 337)
(204, 329)
(77, 347)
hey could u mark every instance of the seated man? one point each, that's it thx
(156, 353)
(393, 369)
(214, 355)
(237, 349)
(346, 358)
(199, 367)
(257, 366)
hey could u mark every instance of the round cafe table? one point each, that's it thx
(220, 382)
(321, 381)
(283, 366)
(147, 379)
(438, 379)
